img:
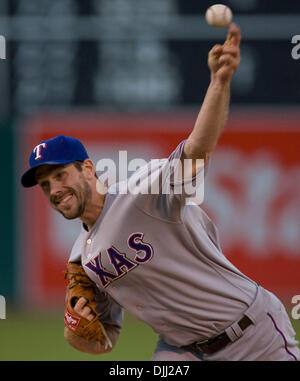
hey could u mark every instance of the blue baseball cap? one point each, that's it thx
(58, 150)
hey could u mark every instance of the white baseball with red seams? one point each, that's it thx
(218, 15)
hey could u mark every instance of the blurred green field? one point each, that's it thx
(39, 337)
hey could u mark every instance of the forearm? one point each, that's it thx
(92, 347)
(210, 121)
(223, 60)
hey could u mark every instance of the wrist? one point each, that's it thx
(218, 83)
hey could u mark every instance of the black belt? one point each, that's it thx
(218, 342)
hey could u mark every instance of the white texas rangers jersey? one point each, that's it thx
(161, 260)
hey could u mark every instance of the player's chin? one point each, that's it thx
(70, 215)
(70, 212)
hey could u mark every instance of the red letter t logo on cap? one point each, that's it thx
(37, 150)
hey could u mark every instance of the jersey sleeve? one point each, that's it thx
(110, 312)
(183, 186)
(165, 186)
(75, 255)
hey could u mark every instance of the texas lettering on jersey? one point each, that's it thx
(120, 263)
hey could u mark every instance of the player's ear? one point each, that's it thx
(88, 168)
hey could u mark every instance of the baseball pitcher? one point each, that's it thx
(155, 255)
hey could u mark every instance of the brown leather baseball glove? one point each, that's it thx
(80, 285)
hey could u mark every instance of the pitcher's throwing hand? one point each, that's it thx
(223, 60)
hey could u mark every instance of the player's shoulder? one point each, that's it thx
(139, 181)
(76, 250)
(151, 167)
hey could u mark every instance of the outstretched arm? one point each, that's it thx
(223, 60)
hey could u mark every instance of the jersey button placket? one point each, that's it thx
(89, 242)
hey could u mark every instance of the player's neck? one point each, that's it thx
(93, 209)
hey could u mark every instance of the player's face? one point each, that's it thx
(66, 189)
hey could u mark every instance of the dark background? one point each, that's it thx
(159, 48)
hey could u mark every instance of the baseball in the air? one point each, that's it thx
(218, 15)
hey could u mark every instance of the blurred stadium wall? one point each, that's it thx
(251, 192)
(131, 75)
